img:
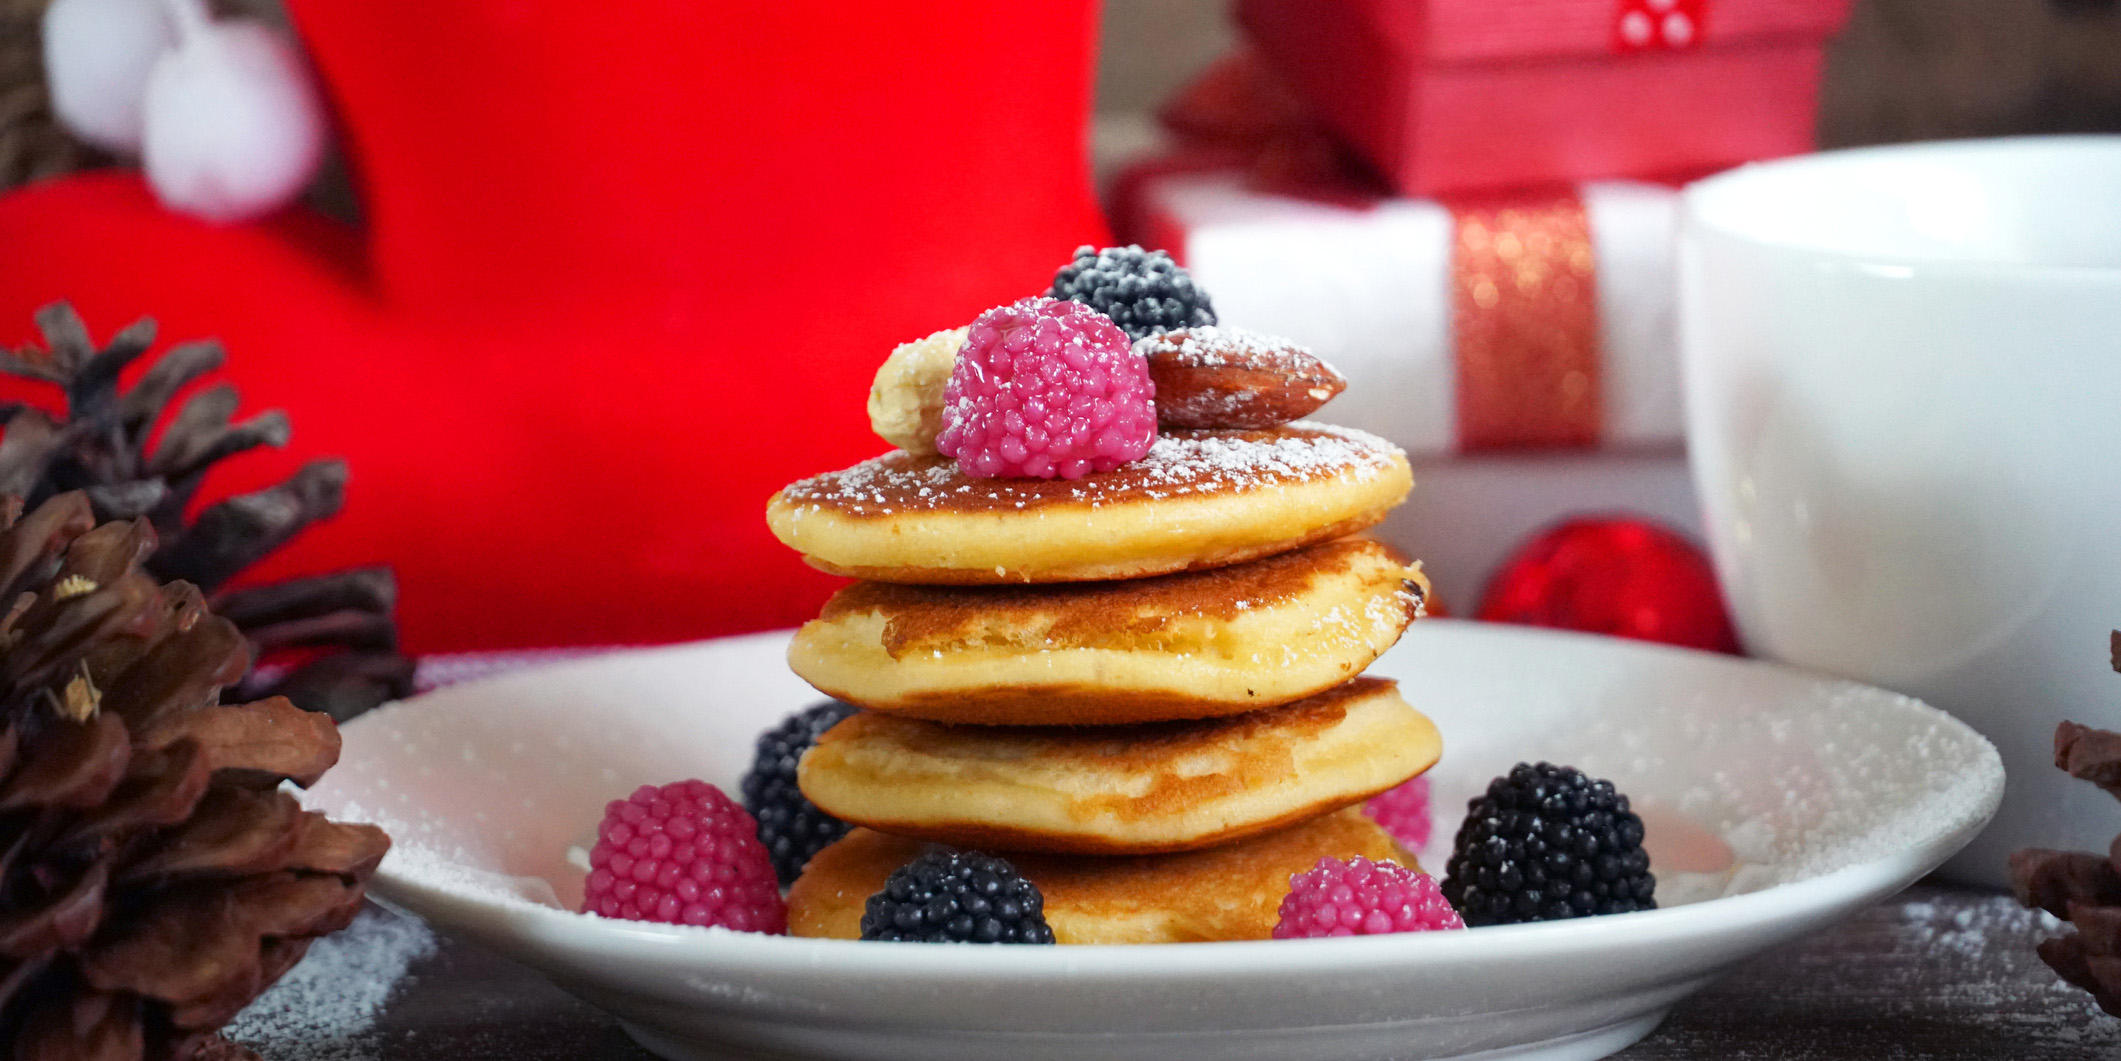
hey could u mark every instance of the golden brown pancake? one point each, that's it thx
(1223, 893)
(1162, 786)
(1197, 644)
(1199, 499)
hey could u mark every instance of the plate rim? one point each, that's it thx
(526, 929)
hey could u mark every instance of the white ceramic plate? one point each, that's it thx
(1832, 795)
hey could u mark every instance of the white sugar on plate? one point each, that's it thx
(326, 1007)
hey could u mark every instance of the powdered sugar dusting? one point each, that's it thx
(1181, 463)
(1813, 780)
(1220, 346)
(2005, 989)
(325, 1008)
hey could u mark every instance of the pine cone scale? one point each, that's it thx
(35, 544)
(75, 765)
(93, 1027)
(56, 629)
(235, 533)
(2079, 887)
(63, 922)
(92, 393)
(365, 589)
(108, 553)
(2098, 928)
(348, 851)
(161, 789)
(202, 949)
(202, 418)
(33, 440)
(66, 337)
(181, 672)
(233, 832)
(184, 364)
(2089, 755)
(18, 976)
(263, 743)
(358, 630)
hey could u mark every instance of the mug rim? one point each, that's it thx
(1695, 217)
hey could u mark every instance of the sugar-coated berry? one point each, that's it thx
(1403, 811)
(684, 854)
(1046, 388)
(1545, 843)
(792, 828)
(1144, 292)
(957, 897)
(1362, 898)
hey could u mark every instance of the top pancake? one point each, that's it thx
(1199, 499)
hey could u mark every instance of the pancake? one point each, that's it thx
(1192, 645)
(1199, 499)
(1158, 787)
(1224, 893)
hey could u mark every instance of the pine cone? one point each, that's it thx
(154, 876)
(2081, 888)
(101, 447)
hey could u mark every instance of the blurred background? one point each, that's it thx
(1900, 70)
(1231, 135)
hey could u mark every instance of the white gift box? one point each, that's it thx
(1368, 287)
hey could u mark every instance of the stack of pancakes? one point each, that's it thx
(1144, 686)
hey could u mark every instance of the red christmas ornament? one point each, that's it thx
(1619, 576)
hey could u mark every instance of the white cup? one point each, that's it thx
(1903, 390)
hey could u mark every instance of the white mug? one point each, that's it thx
(1903, 388)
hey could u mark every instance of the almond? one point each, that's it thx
(906, 400)
(1231, 378)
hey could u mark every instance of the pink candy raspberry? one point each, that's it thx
(1403, 812)
(684, 854)
(1046, 388)
(1362, 898)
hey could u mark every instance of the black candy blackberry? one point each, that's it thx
(1547, 843)
(791, 827)
(957, 897)
(1144, 292)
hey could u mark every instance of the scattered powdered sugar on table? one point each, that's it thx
(325, 1008)
(2006, 987)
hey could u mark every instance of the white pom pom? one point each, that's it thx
(233, 126)
(97, 54)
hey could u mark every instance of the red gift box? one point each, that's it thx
(1448, 96)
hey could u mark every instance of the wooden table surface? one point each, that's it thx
(1939, 972)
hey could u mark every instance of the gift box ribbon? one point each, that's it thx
(1524, 317)
(1527, 350)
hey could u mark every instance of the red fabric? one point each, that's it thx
(1454, 96)
(628, 269)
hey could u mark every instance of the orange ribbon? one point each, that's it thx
(1524, 319)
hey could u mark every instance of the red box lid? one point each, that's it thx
(1494, 30)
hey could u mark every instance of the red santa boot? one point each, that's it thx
(626, 269)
